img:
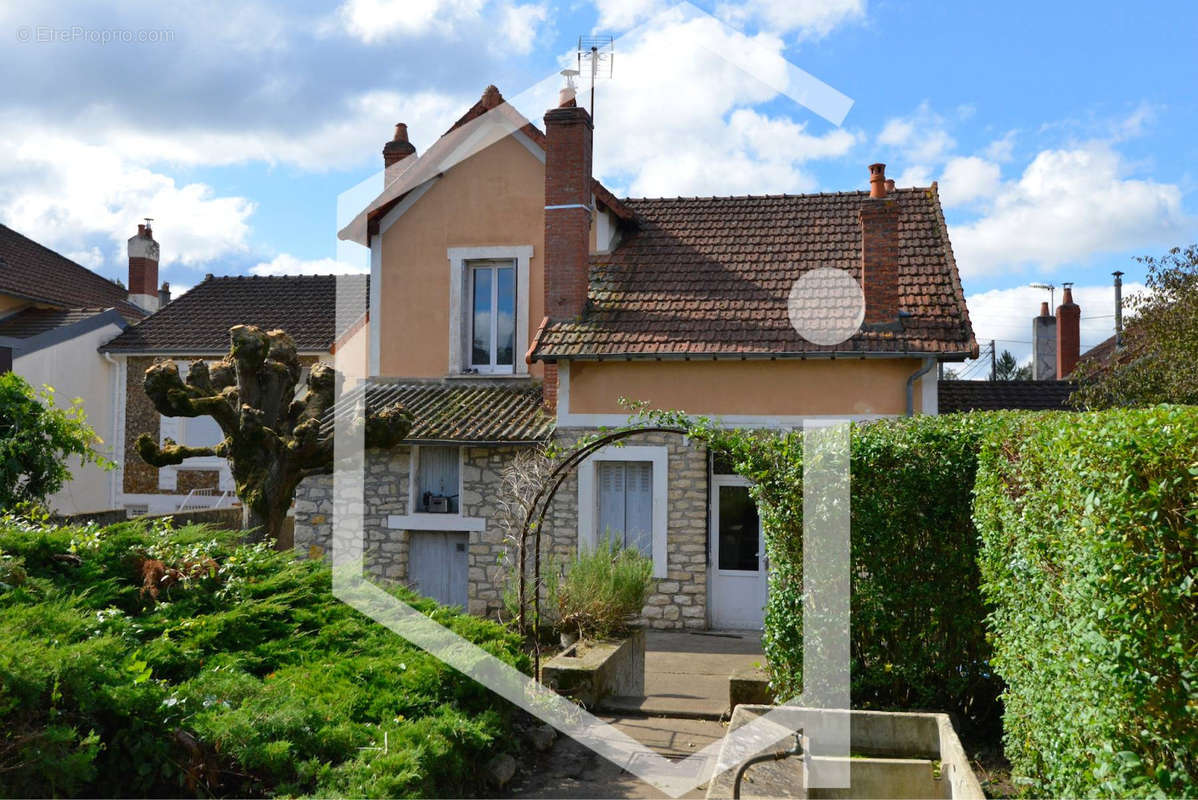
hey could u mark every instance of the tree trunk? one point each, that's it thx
(264, 520)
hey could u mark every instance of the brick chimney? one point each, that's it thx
(568, 138)
(143, 269)
(879, 251)
(1044, 345)
(568, 135)
(396, 151)
(164, 295)
(1069, 315)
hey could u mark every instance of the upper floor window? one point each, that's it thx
(492, 316)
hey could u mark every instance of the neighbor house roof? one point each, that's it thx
(998, 395)
(483, 124)
(460, 411)
(711, 277)
(36, 273)
(310, 308)
(33, 321)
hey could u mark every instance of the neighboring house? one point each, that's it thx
(1056, 341)
(958, 396)
(54, 314)
(196, 326)
(514, 301)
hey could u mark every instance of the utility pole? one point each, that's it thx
(1118, 310)
(993, 363)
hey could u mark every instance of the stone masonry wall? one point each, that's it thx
(678, 601)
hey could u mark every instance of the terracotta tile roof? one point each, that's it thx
(465, 411)
(305, 306)
(30, 322)
(711, 276)
(957, 396)
(447, 151)
(37, 273)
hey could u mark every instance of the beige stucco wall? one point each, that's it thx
(784, 387)
(76, 370)
(352, 356)
(493, 198)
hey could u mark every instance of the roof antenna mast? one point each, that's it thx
(598, 53)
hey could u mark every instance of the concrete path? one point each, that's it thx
(686, 682)
(686, 674)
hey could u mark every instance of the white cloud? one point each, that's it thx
(620, 15)
(91, 258)
(63, 193)
(520, 25)
(679, 115)
(287, 264)
(921, 138)
(1005, 315)
(968, 178)
(1067, 206)
(809, 18)
(375, 20)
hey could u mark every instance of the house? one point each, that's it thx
(54, 314)
(196, 326)
(514, 300)
(1056, 342)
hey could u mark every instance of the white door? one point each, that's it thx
(738, 577)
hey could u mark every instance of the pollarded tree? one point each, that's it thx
(273, 440)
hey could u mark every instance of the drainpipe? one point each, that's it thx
(118, 436)
(928, 364)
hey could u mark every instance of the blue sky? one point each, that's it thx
(1060, 133)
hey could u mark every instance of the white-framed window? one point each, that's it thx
(488, 309)
(492, 315)
(624, 505)
(436, 479)
(619, 488)
(202, 431)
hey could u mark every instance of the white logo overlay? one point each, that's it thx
(826, 479)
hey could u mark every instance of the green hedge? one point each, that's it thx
(1088, 524)
(247, 679)
(917, 634)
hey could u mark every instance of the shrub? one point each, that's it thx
(917, 636)
(1088, 525)
(36, 440)
(243, 677)
(602, 591)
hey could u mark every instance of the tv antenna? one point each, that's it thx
(597, 54)
(1052, 292)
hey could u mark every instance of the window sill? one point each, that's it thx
(424, 521)
(487, 376)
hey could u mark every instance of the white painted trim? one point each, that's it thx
(119, 396)
(435, 522)
(563, 394)
(392, 216)
(376, 288)
(458, 276)
(567, 419)
(588, 500)
(537, 151)
(929, 386)
(413, 471)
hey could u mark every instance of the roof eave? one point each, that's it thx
(939, 355)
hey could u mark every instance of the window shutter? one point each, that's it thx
(639, 501)
(611, 501)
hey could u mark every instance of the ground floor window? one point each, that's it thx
(625, 503)
(437, 478)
